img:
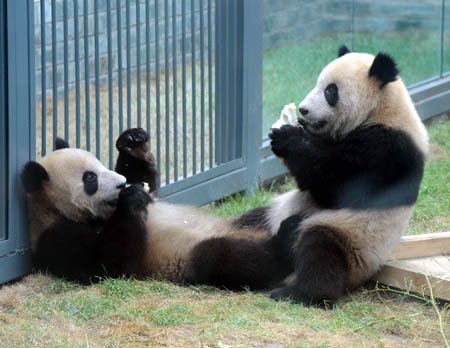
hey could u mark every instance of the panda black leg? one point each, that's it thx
(122, 242)
(135, 160)
(320, 269)
(285, 238)
(235, 264)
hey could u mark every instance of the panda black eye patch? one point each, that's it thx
(90, 182)
(331, 94)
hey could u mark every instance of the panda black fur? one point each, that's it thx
(85, 225)
(358, 157)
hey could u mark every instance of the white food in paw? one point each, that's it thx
(287, 116)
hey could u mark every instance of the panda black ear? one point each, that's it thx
(343, 50)
(33, 174)
(384, 69)
(61, 144)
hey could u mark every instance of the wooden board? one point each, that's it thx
(422, 245)
(418, 262)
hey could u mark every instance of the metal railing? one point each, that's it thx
(146, 64)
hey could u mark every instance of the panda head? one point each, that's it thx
(74, 183)
(347, 93)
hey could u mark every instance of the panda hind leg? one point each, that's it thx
(321, 269)
(235, 263)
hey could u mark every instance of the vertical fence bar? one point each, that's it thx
(220, 65)
(232, 110)
(441, 72)
(97, 81)
(119, 65)
(54, 75)
(86, 74)
(194, 118)
(353, 25)
(158, 105)
(110, 83)
(202, 90)
(43, 83)
(166, 85)
(147, 65)
(183, 80)
(225, 125)
(66, 73)
(250, 46)
(175, 102)
(138, 60)
(238, 71)
(128, 24)
(77, 73)
(210, 96)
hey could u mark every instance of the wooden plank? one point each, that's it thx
(422, 245)
(412, 275)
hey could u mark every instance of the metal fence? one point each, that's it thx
(110, 65)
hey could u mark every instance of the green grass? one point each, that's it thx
(432, 212)
(131, 313)
(290, 71)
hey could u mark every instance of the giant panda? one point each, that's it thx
(86, 224)
(358, 157)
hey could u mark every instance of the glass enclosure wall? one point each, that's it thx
(300, 37)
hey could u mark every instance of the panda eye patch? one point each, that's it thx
(90, 182)
(331, 94)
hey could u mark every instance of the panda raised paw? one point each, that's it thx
(285, 139)
(131, 139)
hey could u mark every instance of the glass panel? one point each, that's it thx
(408, 30)
(299, 39)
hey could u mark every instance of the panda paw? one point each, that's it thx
(133, 198)
(285, 139)
(131, 138)
(290, 293)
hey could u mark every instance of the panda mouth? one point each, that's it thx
(112, 202)
(315, 125)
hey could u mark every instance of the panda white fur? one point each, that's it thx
(85, 225)
(358, 157)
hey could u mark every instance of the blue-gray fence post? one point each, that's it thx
(252, 90)
(238, 84)
(20, 135)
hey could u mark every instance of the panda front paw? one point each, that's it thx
(285, 140)
(131, 139)
(133, 199)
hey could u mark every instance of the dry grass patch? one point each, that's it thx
(41, 311)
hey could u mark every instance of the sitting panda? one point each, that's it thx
(86, 224)
(358, 158)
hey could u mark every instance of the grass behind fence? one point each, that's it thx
(291, 71)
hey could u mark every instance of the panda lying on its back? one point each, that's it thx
(358, 159)
(85, 224)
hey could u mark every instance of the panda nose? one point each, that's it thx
(303, 111)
